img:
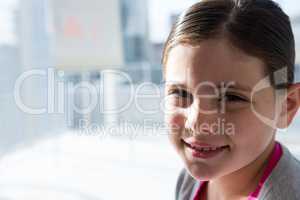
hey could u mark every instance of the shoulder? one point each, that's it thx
(284, 181)
(185, 186)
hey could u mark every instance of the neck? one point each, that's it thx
(242, 182)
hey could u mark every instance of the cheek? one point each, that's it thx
(250, 140)
(250, 130)
(265, 106)
(173, 115)
(175, 124)
(175, 119)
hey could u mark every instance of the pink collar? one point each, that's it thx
(274, 158)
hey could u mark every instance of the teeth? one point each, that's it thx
(206, 148)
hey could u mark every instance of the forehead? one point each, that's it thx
(214, 60)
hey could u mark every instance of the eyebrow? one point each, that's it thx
(238, 86)
(235, 86)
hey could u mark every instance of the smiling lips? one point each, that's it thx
(203, 147)
(203, 150)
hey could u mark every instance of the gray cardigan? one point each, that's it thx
(282, 184)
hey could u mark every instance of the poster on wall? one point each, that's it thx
(86, 34)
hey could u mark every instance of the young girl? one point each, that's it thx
(229, 72)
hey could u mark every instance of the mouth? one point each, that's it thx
(203, 150)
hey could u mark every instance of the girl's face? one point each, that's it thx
(208, 107)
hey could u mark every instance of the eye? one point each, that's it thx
(180, 93)
(180, 97)
(233, 98)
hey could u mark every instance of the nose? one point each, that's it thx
(199, 121)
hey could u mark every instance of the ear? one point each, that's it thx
(290, 106)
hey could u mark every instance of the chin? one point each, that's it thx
(201, 173)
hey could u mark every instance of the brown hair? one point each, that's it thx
(257, 27)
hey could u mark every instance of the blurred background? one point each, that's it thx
(69, 126)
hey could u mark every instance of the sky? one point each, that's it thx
(290, 6)
(7, 8)
(159, 12)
